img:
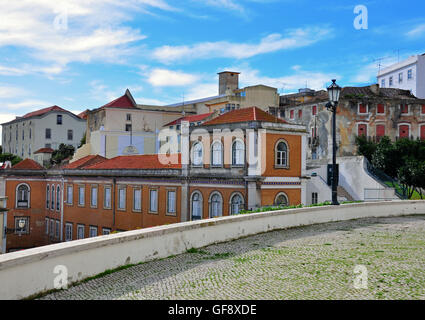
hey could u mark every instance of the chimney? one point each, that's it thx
(375, 88)
(228, 80)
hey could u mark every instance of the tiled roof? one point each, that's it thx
(125, 102)
(27, 164)
(43, 111)
(44, 150)
(83, 115)
(136, 162)
(383, 92)
(244, 115)
(191, 118)
(84, 162)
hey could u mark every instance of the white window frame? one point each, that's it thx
(362, 113)
(69, 194)
(153, 203)
(367, 127)
(241, 205)
(105, 198)
(57, 229)
(68, 231)
(58, 198)
(80, 227)
(122, 198)
(93, 229)
(172, 211)
(217, 155)
(197, 160)
(281, 165)
(191, 204)
(211, 204)
(404, 124)
(409, 110)
(94, 199)
(81, 197)
(377, 108)
(106, 231)
(137, 197)
(234, 155)
(28, 195)
(281, 194)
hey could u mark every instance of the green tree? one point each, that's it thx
(365, 148)
(64, 152)
(10, 157)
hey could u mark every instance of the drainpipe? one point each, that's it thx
(62, 206)
(114, 181)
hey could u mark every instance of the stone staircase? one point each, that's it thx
(343, 193)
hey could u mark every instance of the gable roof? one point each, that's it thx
(27, 164)
(84, 162)
(135, 162)
(191, 118)
(125, 102)
(44, 150)
(244, 115)
(43, 111)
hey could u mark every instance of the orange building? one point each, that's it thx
(243, 159)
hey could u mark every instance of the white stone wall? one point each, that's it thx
(28, 272)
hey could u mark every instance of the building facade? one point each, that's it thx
(408, 74)
(244, 159)
(45, 128)
(370, 111)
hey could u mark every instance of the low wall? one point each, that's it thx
(32, 271)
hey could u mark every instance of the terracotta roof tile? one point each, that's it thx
(244, 115)
(44, 150)
(84, 162)
(191, 118)
(136, 162)
(43, 111)
(27, 164)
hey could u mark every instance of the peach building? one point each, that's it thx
(241, 160)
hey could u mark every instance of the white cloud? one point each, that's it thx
(62, 31)
(33, 104)
(203, 90)
(7, 92)
(417, 31)
(168, 78)
(226, 4)
(296, 38)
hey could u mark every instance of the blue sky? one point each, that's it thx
(81, 54)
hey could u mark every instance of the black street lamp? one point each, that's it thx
(334, 91)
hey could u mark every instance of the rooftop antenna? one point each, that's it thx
(379, 60)
(183, 112)
(398, 55)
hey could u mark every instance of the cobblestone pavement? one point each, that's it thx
(312, 262)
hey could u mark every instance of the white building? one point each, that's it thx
(408, 75)
(45, 128)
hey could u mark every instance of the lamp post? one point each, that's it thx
(334, 91)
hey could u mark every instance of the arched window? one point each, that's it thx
(58, 198)
(196, 206)
(216, 205)
(282, 154)
(197, 154)
(236, 203)
(52, 206)
(48, 197)
(281, 200)
(23, 196)
(217, 153)
(238, 153)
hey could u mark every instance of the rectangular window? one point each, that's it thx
(93, 197)
(291, 114)
(48, 133)
(380, 109)
(121, 198)
(81, 195)
(391, 81)
(153, 200)
(80, 231)
(93, 232)
(106, 231)
(59, 119)
(314, 198)
(57, 229)
(46, 221)
(409, 74)
(383, 83)
(400, 78)
(107, 197)
(137, 199)
(128, 127)
(70, 135)
(171, 202)
(128, 117)
(362, 108)
(423, 109)
(404, 108)
(380, 131)
(300, 114)
(68, 232)
(69, 194)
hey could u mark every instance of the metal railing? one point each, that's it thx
(386, 180)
